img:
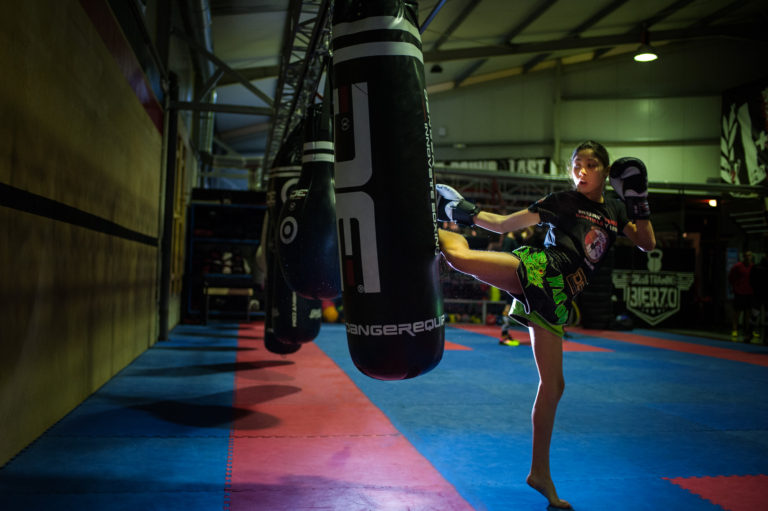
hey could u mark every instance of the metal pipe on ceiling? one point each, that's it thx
(431, 16)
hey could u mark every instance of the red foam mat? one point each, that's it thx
(685, 347)
(305, 437)
(452, 346)
(733, 493)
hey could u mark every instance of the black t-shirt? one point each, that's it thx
(580, 230)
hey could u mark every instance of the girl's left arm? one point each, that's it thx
(641, 233)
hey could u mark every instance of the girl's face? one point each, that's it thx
(588, 174)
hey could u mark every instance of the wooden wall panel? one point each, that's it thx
(79, 301)
(74, 129)
(78, 306)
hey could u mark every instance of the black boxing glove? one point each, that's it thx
(629, 178)
(452, 207)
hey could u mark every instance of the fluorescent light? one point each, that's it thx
(645, 53)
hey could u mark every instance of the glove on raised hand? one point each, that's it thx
(452, 207)
(629, 178)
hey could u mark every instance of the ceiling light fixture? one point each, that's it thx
(646, 52)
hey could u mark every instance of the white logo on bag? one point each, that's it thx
(289, 228)
(357, 205)
(410, 329)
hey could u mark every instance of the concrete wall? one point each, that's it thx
(80, 175)
(666, 112)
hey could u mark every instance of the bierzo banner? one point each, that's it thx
(652, 287)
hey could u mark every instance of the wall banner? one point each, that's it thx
(530, 166)
(744, 135)
(652, 294)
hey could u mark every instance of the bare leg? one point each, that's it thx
(498, 269)
(548, 352)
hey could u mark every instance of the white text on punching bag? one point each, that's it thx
(356, 204)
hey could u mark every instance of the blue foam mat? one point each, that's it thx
(117, 465)
(131, 501)
(156, 436)
(629, 418)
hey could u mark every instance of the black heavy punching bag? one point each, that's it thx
(265, 261)
(307, 246)
(291, 319)
(385, 190)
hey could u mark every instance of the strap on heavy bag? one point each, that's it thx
(385, 195)
(307, 245)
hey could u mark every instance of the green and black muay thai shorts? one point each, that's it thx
(546, 298)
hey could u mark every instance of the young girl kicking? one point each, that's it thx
(582, 225)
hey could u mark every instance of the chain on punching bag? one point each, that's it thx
(385, 190)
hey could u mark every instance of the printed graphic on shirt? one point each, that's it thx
(598, 220)
(595, 243)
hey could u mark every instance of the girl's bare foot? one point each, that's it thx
(547, 488)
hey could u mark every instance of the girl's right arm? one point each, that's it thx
(506, 223)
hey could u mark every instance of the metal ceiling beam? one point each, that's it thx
(244, 132)
(235, 7)
(455, 24)
(304, 55)
(250, 74)
(718, 14)
(753, 31)
(662, 14)
(575, 32)
(220, 108)
(431, 16)
(505, 40)
(533, 16)
(644, 25)
(221, 65)
(261, 72)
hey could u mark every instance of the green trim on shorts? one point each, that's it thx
(518, 309)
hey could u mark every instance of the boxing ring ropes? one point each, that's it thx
(496, 188)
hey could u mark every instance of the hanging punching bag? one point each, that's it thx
(307, 245)
(292, 319)
(271, 343)
(385, 190)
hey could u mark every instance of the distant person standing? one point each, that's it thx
(738, 278)
(758, 279)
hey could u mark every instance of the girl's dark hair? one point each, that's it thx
(600, 151)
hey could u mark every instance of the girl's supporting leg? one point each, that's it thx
(548, 352)
(500, 269)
